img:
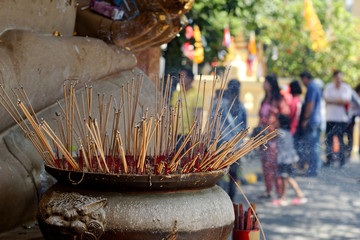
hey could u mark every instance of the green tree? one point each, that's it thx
(211, 16)
(283, 27)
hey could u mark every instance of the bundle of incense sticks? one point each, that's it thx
(146, 146)
(247, 220)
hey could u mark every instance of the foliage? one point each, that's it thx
(211, 16)
(286, 30)
(280, 25)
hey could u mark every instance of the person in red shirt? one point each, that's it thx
(295, 105)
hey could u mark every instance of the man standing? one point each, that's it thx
(352, 113)
(308, 133)
(337, 95)
(194, 100)
(190, 105)
(236, 118)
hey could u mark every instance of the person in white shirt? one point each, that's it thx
(354, 111)
(337, 95)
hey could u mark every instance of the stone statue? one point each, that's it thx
(45, 42)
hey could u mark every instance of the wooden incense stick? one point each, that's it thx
(82, 138)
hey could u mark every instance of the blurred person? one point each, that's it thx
(357, 90)
(286, 157)
(191, 94)
(193, 103)
(320, 83)
(337, 95)
(307, 136)
(285, 91)
(238, 109)
(295, 105)
(354, 111)
(236, 119)
(272, 104)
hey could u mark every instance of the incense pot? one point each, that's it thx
(138, 182)
(246, 234)
(108, 206)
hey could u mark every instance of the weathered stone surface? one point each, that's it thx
(41, 16)
(41, 63)
(19, 194)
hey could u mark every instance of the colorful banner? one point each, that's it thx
(252, 43)
(189, 32)
(199, 50)
(188, 50)
(227, 37)
(313, 23)
(197, 34)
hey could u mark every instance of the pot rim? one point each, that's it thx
(136, 182)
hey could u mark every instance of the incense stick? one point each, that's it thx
(80, 137)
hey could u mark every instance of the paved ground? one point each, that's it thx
(332, 212)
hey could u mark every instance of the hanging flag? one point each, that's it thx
(199, 50)
(189, 32)
(252, 43)
(198, 54)
(188, 50)
(252, 54)
(317, 34)
(197, 34)
(227, 37)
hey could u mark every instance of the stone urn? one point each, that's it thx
(104, 206)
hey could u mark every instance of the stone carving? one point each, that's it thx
(158, 22)
(83, 216)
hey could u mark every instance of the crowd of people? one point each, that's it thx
(299, 122)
